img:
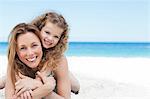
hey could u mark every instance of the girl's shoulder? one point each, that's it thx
(63, 59)
(63, 64)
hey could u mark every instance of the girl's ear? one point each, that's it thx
(65, 40)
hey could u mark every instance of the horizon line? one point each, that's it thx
(99, 42)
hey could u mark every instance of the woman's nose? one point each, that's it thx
(30, 52)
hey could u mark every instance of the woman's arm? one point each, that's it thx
(9, 88)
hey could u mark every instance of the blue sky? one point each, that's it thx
(89, 20)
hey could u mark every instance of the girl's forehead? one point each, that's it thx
(53, 28)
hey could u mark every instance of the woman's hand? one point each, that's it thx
(25, 84)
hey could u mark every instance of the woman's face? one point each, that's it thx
(50, 35)
(29, 49)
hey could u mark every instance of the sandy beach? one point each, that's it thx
(106, 78)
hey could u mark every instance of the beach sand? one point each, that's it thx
(106, 78)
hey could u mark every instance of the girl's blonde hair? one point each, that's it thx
(52, 55)
(14, 63)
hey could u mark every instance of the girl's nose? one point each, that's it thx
(51, 39)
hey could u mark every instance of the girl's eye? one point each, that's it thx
(56, 36)
(47, 32)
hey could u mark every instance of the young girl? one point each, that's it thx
(24, 57)
(54, 33)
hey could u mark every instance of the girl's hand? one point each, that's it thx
(25, 84)
(50, 82)
(26, 95)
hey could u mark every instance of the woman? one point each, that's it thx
(24, 57)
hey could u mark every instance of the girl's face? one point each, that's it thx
(29, 49)
(50, 35)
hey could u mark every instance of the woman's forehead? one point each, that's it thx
(27, 38)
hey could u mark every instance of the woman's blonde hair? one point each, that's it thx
(14, 63)
(52, 55)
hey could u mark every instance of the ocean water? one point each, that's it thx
(101, 49)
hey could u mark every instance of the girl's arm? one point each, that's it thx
(63, 82)
(62, 78)
(26, 83)
(46, 88)
(39, 89)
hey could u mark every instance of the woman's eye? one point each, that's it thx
(34, 45)
(22, 48)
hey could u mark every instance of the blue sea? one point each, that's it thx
(101, 49)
